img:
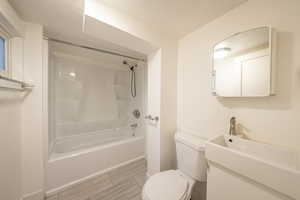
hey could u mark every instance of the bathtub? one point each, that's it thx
(70, 145)
(76, 158)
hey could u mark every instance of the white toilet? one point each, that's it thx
(178, 184)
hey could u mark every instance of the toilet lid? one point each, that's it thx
(168, 185)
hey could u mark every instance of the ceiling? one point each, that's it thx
(63, 18)
(179, 17)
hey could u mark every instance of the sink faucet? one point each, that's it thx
(232, 130)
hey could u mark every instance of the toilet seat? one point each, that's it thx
(167, 185)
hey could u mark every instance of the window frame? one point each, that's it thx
(6, 37)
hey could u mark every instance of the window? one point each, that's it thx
(4, 69)
(2, 54)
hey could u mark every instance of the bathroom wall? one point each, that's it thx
(21, 113)
(90, 91)
(32, 115)
(10, 145)
(272, 119)
(153, 132)
(22, 170)
(168, 105)
(10, 111)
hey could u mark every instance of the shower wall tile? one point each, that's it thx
(81, 89)
(123, 183)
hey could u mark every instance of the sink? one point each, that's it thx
(274, 167)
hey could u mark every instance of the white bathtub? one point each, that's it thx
(74, 144)
(74, 159)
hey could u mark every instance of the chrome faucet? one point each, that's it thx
(133, 128)
(232, 130)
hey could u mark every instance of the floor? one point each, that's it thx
(124, 183)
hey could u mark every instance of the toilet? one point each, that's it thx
(178, 184)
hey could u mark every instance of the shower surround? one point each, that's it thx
(90, 115)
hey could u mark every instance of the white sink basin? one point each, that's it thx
(274, 167)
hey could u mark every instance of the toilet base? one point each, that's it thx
(151, 187)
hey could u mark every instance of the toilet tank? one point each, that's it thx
(190, 155)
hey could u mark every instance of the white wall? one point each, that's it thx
(272, 119)
(32, 113)
(168, 107)
(162, 90)
(10, 110)
(10, 144)
(120, 28)
(153, 107)
(21, 146)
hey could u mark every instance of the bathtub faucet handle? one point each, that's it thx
(134, 126)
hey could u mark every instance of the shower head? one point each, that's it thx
(131, 67)
(132, 84)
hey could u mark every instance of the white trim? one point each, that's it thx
(9, 84)
(273, 54)
(16, 58)
(45, 108)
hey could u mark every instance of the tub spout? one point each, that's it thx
(133, 127)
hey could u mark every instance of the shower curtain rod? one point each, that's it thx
(93, 49)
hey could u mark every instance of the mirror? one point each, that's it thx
(242, 64)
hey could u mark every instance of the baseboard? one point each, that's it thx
(38, 195)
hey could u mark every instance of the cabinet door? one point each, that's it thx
(256, 76)
(228, 81)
